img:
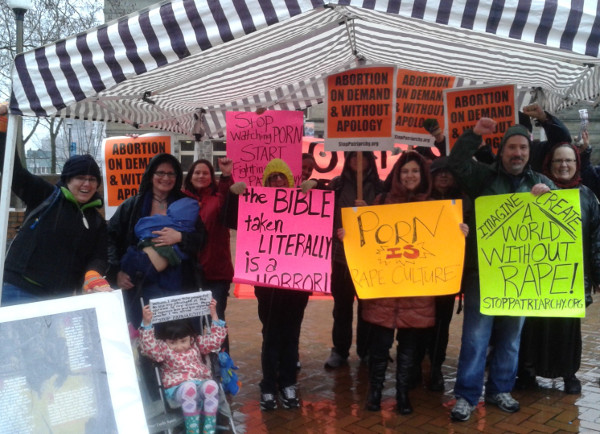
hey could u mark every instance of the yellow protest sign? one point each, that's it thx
(530, 254)
(409, 249)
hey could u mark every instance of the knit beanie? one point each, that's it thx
(80, 165)
(439, 164)
(515, 130)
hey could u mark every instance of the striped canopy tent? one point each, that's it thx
(162, 65)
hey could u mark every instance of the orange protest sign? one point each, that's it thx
(125, 160)
(419, 96)
(359, 109)
(465, 106)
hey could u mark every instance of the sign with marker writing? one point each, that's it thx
(125, 160)
(408, 249)
(253, 140)
(284, 238)
(359, 109)
(419, 96)
(180, 306)
(530, 254)
(465, 106)
(66, 366)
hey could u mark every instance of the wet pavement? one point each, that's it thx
(333, 401)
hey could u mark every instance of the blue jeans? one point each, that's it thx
(12, 295)
(476, 334)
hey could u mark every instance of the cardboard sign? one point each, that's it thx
(359, 109)
(530, 254)
(284, 238)
(253, 140)
(404, 249)
(180, 306)
(419, 96)
(465, 106)
(125, 160)
(66, 366)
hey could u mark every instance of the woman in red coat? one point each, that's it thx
(215, 259)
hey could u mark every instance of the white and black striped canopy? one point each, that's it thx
(157, 67)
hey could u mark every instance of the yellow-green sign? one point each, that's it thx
(409, 249)
(530, 254)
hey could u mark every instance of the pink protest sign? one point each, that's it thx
(253, 140)
(284, 238)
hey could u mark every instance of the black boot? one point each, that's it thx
(404, 364)
(437, 379)
(377, 368)
(402, 402)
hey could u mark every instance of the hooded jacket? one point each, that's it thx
(121, 227)
(402, 312)
(53, 248)
(277, 165)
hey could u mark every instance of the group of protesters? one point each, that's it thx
(173, 238)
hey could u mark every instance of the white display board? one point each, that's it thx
(66, 366)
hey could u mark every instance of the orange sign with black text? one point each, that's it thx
(419, 96)
(125, 160)
(465, 106)
(359, 109)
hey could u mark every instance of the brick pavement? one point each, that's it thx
(333, 401)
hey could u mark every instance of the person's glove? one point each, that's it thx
(94, 282)
(432, 127)
(307, 185)
(238, 188)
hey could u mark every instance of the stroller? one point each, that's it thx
(164, 415)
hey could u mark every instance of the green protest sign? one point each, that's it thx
(530, 254)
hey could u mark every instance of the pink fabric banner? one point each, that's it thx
(253, 140)
(284, 238)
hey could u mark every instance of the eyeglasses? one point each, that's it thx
(275, 176)
(81, 179)
(565, 160)
(161, 174)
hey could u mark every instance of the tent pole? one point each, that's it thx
(7, 174)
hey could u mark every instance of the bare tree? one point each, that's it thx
(48, 21)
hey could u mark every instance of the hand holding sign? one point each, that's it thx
(147, 316)
(213, 310)
(539, 189)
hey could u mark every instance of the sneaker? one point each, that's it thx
(462, 410)
(267, 402)
(504, 401)
(335, 360)
(288, 397)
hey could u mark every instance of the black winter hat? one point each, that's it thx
(515, 130)
(439, 164)
(80, 165)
